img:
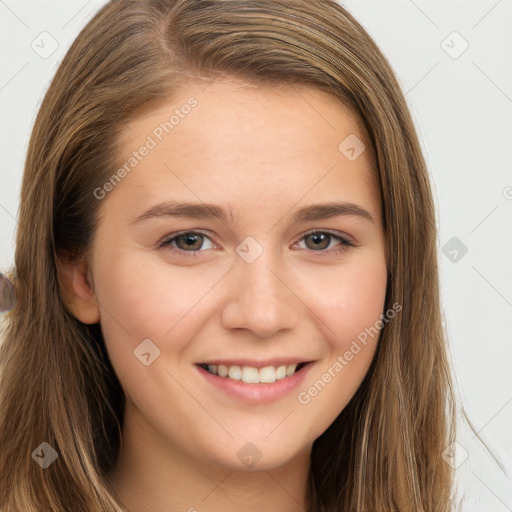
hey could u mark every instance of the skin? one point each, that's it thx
(242, 147)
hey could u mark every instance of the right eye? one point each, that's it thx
(187, 242)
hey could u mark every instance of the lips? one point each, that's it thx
(252, 383)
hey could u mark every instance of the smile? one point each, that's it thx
(251, 374)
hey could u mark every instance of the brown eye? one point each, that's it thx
(320, 241)
(188, 242)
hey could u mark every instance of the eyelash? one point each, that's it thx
(165, 243)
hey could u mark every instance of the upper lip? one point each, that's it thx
(279, 361)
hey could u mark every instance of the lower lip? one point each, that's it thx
(262, 393)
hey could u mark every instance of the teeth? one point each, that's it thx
(267, 374)
(235, 372)
(250, 375)
(290, 369)
(281, 372)
(253, 375)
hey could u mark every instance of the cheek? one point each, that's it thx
(347, 299)
(350, 307)
(143, 298)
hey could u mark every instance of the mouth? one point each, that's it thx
(254, 382)
(252, 374)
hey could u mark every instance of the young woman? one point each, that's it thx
(226, 274)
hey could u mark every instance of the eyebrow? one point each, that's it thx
(312, 212)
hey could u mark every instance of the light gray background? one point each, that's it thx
(461, 102)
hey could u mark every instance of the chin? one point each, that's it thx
(256, 455)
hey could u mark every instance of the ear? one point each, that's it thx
(75, 280)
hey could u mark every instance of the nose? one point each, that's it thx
(261, 299)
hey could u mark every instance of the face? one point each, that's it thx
(263, 285)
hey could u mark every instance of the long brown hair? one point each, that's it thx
(384, 451)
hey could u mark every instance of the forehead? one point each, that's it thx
(227, 136)
(250, 114)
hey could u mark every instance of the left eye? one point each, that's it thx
(318, 238)
(192, 242)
